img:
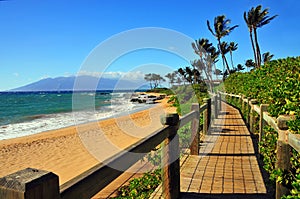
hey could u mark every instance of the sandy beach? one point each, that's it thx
(70, 151)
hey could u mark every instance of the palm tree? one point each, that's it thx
(171, 77)
(249, 63)
(218, 72)
(240, 67)
(232, 47)
(267, 57)
(157, 79)
(179, 81)
(257, 18)
(148, 78)
(208, 56)
(248, 17)
(221, 29)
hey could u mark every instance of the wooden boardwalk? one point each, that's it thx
(227, 165)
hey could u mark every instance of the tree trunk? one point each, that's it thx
(223, 57)
(253, 48)
(257, 49)
(231, 59)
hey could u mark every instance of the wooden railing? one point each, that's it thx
(286, 139)
(38, 184)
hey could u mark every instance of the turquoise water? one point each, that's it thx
(20, 107)
(25, 113)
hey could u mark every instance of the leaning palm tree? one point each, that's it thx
(232, 47)
(208, 56)
(257, 18)
(221, 29)
(249, 17)
(267, 57)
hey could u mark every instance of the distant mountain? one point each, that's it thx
(82, 83)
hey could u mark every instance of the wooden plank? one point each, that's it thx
(170, 161)
(187, 118)
(271, 121)
(232, 95)
(30, 184)
(262, 122)
(206, 116)
(194, 148)
(252, 117)
(256, 108)
(294, 141)
(283, 163)
(92, 181)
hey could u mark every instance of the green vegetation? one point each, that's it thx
(276, 83)
(165, 91)
(142, 187)
(256, 18)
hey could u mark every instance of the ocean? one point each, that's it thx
(26, 113)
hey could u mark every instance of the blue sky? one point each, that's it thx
(41, 39)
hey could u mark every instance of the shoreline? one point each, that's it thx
(71, 150)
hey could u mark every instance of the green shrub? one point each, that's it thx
(141, 187)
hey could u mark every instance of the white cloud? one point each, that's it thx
(44, 77)
(16, 74)
(89, 73)
(133, 75)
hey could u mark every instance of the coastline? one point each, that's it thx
(72, 150)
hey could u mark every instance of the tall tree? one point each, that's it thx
(157, 79)
(154, 79)
(171, 77)
(257, 18)
(221, 29)
(148, 78)
(232, 47)
(208, 57)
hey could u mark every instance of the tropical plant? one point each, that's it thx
(193, 76)
(148, 78)
(171, 77)
(232, 47)
(221, 30)
(154, 79)
(249, 63)
(240, 67)
(267, 57)
(257, 18)
(208, 55)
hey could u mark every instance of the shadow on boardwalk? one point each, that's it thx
(224, 196)
(227, 165)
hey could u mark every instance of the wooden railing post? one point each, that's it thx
(248, 110)
(215, 107)
(220, 101)
(251, 119)
(170, 160)
(30, 184)
(206, 115)
(262, 122)
(194, 148)
(243, 104)
(283, 153)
